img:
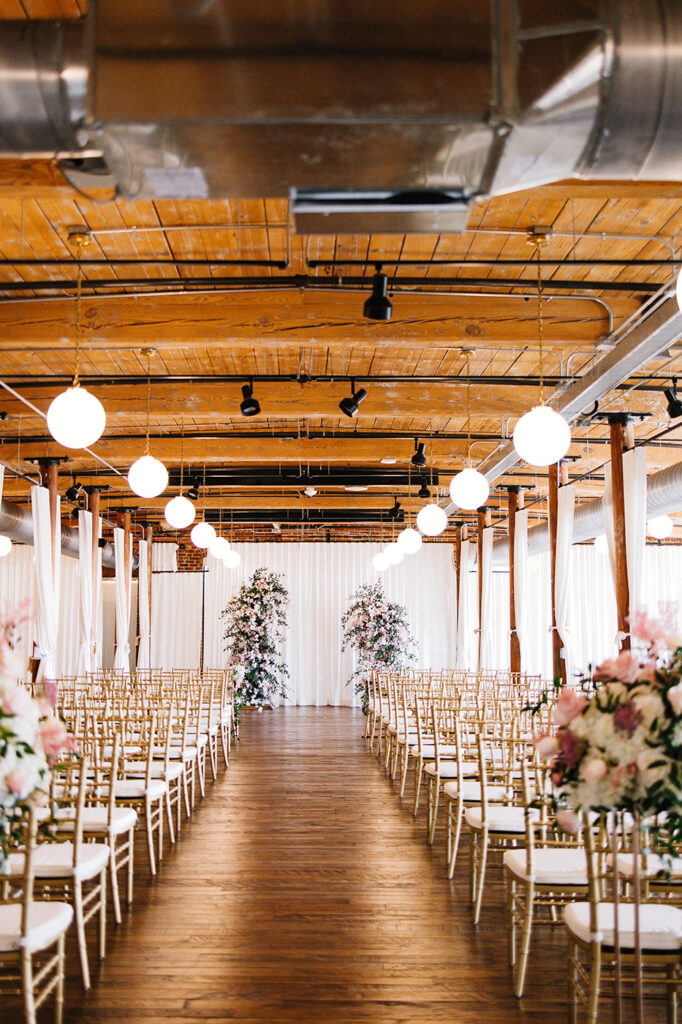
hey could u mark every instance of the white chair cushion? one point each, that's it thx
(660, 925)
(55, 860)
(185, 754)
(428, 750)
(500, 819)
(159, 771)
(411, 737)
(134, 789)
(471, 791)
(46, 922)
(654, 864)
(448, 769)
(96, 819)
(550, 867)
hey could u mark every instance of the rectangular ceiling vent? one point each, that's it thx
(419, 211)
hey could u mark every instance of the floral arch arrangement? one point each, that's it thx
(256, 626)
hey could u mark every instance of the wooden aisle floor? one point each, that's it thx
(302, 891)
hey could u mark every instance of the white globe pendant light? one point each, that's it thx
(601, 544)
(231, 559)
(469, 489)
(202, 535)
(76, 419)
(179, 512)
(218, 548)
(393, 554)
(5, 545)
(148, 477)
(432, 520)
(660, 527)
(542, 436)
(409, 541)
(379, 563)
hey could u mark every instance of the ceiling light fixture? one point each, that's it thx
(378, 306)
(193, 491)
(250, 406)
(432, 520)
(76, 418)
(5, 545)
(409, 541)
(469, 488)
(310, 491)
(660, 527)
(419, 457)
(393, 554)
(379, 563)
(71, 493)
(542, 436)
(349, 406)
(203, 534)
(148, 477)
(424, 491)
(219, 548)
(180, 511)
(674, 402)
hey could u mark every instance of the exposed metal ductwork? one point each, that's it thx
(16, 522)
(404, 113)
(664, 495)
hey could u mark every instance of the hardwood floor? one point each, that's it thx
(303, 892)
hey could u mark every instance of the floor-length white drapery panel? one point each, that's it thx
(467, 652)
(488, 626)
(607, 510)
(521, 583)
(164, 557)
(69, 634)
(85, 652)
(539, 616)
(176, 620)
(144, 650)
(592, 608)
(634, 489)
(98, 620)
(320, 579)
(123, 547)
(562, 580)
(48, 572)
(662, 587)
(17, 584)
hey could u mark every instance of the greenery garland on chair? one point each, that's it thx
(256, 624)
(377, 629)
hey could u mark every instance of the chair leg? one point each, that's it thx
(595, 979)
(455, 842)
(213, 755)
(224, 734)
(483, 857)
(80, 933)
(434, 795)
(103, 914)
(510, 894)
(27, 987)
(417, 785)
(131, 865)
(572, 984)
(404, 769)
(159, 828)
(169, 816)
(59, 990)
(113, 872)
(149, 827)
(525, 941)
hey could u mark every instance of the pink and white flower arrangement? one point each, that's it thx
(256, 626)
(618, 741)
(377, 629)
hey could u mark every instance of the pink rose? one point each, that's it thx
(568, 706)
(625, 668)
(675, 698)
(568, 821)
(547, 746)
(52, 737)
(20, 781)
(11, 666)
(18, 702)
(593, 770)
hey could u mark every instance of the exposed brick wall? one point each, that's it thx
(190, 558)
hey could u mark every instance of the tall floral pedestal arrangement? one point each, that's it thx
(617, 747)
(377, 630)
(256, 623)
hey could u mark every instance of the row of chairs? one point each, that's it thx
(468, 744)
(142, 746)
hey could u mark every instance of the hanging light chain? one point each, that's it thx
(538, 241)
(149, 400)
(79, 292)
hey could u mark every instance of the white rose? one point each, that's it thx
(593, 770)
(602, 731)
(675, 698)
(650, 705)
(652, 765)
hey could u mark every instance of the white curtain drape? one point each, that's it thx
(464, 609)
(97, 604)
(487, 623)
(123, 599)
(164, 557)
(521, 583)
(607, 510)
(48, 572)
(634, 488)
(562, 581)
(85, 566)
(144, 650)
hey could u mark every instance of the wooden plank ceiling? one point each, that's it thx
(228, 313)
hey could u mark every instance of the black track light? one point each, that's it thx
(674, 403)
(71, 493)
(394, 513)
(349, 406)
(377, 306)
(419, 457)
(423, 491)
(193, 492)
(250, 406)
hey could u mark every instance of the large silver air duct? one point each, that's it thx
(664, 495)
(16, 522)
(381, 103)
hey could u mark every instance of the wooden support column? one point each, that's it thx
(457, 560)
(553, 505)
(149, 533)
(617, 427)
(514, 503)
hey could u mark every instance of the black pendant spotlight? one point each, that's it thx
(424, 491)
(378, 306)
(349, 406)
(419, 457)
(674, 402)
(250, 405)
(72, 493)
(193, 492)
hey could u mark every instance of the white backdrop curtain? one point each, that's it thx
(320, 579)
(465, 627)
(97, 603)
(634, 488)
(487, 624)
(48, 572)
(123, 598)
(521, 583)
(85, 568)
(607, 509)
(562, 581)
(144, 651)
(164, 557)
